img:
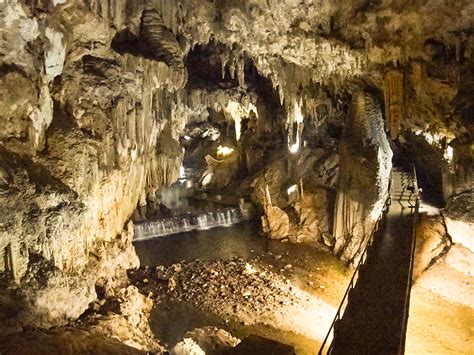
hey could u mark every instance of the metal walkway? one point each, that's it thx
(373, 316)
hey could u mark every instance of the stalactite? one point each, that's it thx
(281, 94)
(232, 69)
(158, 40)
(393, 94)
(457, 44)
(418, 76)
(241, 71)
(224, 61)
(295, 125)
(169, 13)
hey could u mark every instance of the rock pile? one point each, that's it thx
(231, 287)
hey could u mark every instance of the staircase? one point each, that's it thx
(374, 320)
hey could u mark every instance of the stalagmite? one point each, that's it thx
(393, 94)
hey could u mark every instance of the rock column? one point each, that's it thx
(366, 162)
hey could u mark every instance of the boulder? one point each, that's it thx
(275, 222)
(432, 241)
(459, 216)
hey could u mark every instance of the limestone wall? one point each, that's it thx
(78, 152)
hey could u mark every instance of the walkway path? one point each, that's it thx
(374, 321)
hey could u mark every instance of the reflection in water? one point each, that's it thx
(226, 243)
(175, 225)
(244, 241)
(240, 241)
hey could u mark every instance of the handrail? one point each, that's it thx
(410, 272)
(363, 258)
(340, 311)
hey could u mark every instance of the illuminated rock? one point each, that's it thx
(432, 241)
(95, 97)
(275, 222)
(393, 93)
(459, 216)
(364, 174)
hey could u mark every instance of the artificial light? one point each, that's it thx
(292, 189)
(223, 151)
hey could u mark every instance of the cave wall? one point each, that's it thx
(78, 151)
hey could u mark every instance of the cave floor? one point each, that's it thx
(441, 317)
(239, 281)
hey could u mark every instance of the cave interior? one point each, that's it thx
(236, 177)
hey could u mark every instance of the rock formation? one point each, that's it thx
(432, 241)
(298, 212)
(393, 93)
(158, 41)
(99, 98)
(459, 219)
(68, 193)
(364, 177)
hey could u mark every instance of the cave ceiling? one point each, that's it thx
(300, 45)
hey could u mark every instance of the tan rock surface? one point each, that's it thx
(431, 242)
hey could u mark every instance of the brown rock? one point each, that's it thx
(431, 242)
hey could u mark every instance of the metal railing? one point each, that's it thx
(412, 258)
(355, 276)
(328, 343)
